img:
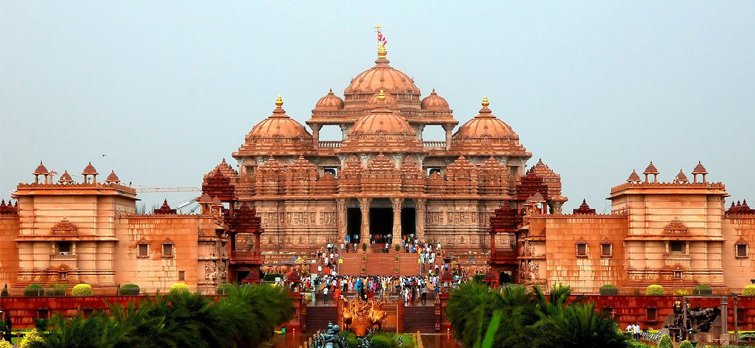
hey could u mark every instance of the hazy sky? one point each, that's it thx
(166, 89)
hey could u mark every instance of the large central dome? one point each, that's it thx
(384, 77)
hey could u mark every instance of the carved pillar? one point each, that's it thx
(364, 207)
(396, 203)
(341, 219)
(419, 219)
(316, 134)
(448, 129)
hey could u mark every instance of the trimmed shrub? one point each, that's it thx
(129, 290)
(57, 290)
(397, 248)
(178, 288)
(381, 341)
(686, 344)
(5, 344)
(665, 342)
(654, 289)
(681, 292)
(82, 290)
(702, 289)
(34, 290)
(749, 290)
(364, 247)
(31, 339)
(609, 289)
(224, 288)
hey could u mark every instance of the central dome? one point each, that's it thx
(382, 76)
(381, 131)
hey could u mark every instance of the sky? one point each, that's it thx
(161, 91)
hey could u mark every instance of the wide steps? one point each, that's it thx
(419, 318)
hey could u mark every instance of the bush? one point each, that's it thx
(749, 290)
(702, 289)
(681, 292)
(665, 342)
(34, 290)
(609, 289)
(364, 247)
(381, 341)
(57, 290)
(686, 344)
(31, 339)
(223, 288)
(654, 289)
(5, 292)
(129, 290)
(5, 344)
(82, 290)
(397, 248)
(178, 288)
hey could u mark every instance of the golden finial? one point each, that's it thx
(279, 101)
(382, 52)
(381, 96)
(485, 101)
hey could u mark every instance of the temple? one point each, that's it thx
(290, 193)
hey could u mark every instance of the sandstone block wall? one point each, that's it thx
(584, 274)
(739, 272)
(8, 250)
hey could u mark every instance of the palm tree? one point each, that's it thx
(577, 325)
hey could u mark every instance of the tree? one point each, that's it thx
(578, 325)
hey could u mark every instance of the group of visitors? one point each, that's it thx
(634, 330)
(412, 289)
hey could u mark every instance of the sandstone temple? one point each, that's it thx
(289, 194)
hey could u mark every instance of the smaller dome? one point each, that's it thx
(330, 102)
(485, 124)
(434, 102)
(276, 134)
(278, 125)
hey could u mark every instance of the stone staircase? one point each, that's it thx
(419, 318)
(318, 317)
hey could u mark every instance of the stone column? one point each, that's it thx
(364, 207)
(396, 203)
(448, 129)
(341, 218)
(419, 219)
(316, 135)
(724, 320)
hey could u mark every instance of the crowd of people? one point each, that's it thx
(412, 289)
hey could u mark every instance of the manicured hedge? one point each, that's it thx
(654, 289)
(129, 289)
(609, 289)
(702, 289)
(34, 290)
(82, 290)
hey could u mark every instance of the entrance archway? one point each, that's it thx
(381, 220)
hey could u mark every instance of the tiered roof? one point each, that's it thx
(583, 209)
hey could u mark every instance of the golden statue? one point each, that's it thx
(360, 316)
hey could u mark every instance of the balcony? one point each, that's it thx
(434, 144)
(329, 144)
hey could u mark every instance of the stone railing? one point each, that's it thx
(434, 144)
(330, 144)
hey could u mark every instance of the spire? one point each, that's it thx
(634, 177)
(651, 170)
(681, 178)
(381, 42)
(112, 178)
(279, 111)
(485, 111)
(699, 170)
(65, 178)
(41, 170)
